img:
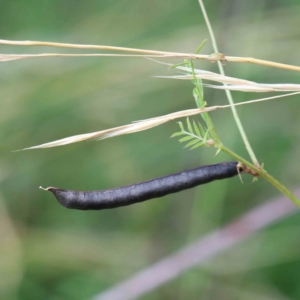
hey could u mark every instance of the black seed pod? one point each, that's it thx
(96, 200)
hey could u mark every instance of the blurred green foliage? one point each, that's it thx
(48, 252)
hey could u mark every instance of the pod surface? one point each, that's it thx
(139, 192)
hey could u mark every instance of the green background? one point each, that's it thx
(49, 252)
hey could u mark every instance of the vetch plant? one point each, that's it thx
(196, 135)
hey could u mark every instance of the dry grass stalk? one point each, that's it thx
(141, 125)
(220, 57)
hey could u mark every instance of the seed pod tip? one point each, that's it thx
(45, 189)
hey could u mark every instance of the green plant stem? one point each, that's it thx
(262, 173)
(228, 93)
(212, 129)
(255, 167)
